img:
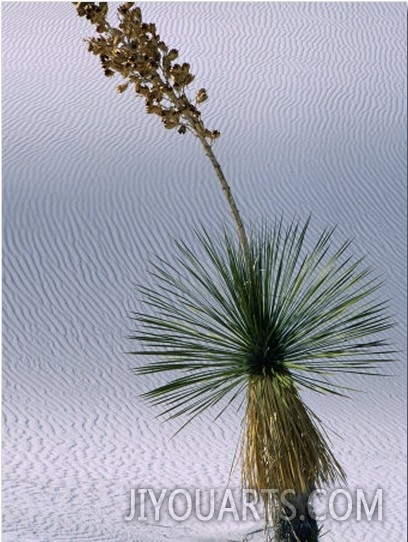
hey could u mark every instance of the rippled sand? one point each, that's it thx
(309, 98)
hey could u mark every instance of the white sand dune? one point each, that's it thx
(309, 98)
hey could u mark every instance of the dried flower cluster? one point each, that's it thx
(135, 51)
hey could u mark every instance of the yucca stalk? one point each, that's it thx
(263, 317)
(134, 50)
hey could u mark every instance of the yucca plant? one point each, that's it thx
(245, 320)
(290, 320)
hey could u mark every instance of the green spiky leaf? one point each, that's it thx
(213, 322)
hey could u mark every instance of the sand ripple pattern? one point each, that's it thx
(309, 98)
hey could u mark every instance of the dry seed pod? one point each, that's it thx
(121, 88)
(201, 95)
(189, 78)
(169, 123)
(214, 134)
(172, 54)
(141, 89)
(156, 95)
(80, 7)
(103, 8)
(153, 109)
(124, 8)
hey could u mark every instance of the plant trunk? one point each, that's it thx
(296, 522)
(283, 456)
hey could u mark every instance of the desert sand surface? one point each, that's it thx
(310, 102)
